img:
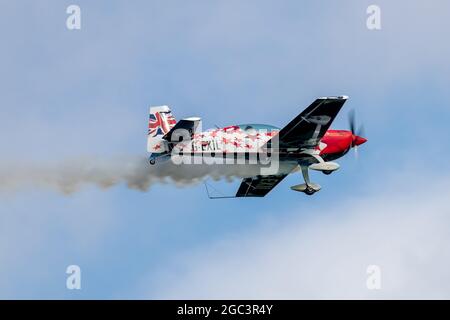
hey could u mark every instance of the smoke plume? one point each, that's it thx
(134, 172)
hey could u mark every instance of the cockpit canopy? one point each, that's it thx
(249, 127)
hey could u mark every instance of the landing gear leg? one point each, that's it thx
(308, 190)
(305, 173)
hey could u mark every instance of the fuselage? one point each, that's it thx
(250, 138)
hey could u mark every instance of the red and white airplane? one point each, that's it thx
(305, 142)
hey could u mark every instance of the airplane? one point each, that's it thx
(306, 143)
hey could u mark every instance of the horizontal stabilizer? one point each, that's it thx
(182, 130)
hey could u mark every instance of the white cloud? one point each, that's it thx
(324, 253)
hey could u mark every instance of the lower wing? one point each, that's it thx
(258, 186)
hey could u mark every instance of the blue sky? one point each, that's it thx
(71, 94)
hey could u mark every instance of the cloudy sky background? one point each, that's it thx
(68, 95)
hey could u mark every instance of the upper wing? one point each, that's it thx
(306, 130)
(258, 186)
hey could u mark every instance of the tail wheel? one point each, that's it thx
(152, 161)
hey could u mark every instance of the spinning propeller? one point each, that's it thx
(357, 138)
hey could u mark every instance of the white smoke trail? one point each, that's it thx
(135, 172)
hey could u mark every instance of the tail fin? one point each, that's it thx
(160, 122)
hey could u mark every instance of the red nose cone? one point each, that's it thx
(359, 140)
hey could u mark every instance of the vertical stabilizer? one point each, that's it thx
(160, 122)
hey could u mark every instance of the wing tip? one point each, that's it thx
(343, 97)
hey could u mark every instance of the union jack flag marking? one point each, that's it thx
(160, 123)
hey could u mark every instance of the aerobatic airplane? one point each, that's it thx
(306, 143)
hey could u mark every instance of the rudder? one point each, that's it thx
(160, 122)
